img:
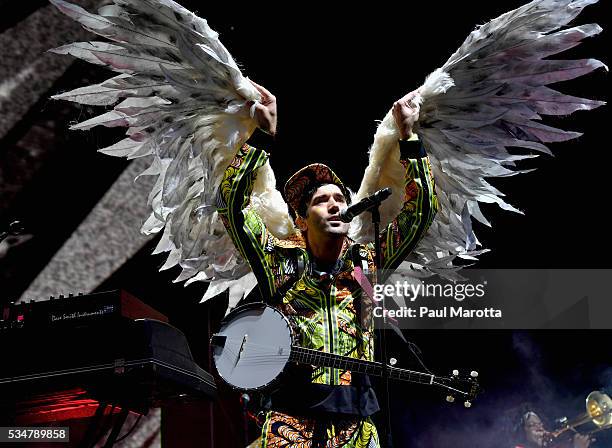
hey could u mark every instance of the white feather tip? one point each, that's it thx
(436, 83)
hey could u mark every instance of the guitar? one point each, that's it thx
(255, 345)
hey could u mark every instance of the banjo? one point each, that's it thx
(255, 345)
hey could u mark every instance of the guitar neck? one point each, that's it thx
(322, 359)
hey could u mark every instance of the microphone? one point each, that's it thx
(365, 204)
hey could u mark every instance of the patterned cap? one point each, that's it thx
(302, 181)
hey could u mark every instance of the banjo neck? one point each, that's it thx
(323, 359)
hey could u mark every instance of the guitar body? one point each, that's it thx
(253, 346)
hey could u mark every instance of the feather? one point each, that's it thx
(545, 100)
(488, 96)
(103, 94)
(84, 50)
(113, 25)
(543, 47)
(121, 149)
(546, 72)
(184, 101)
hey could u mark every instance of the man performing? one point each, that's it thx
(323, 300)
(190, 111)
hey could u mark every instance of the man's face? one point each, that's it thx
(322, 213)
(534, 430)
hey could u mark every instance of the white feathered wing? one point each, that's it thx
(488, 96)
(186, 106)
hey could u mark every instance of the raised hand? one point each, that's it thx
(264, 111)
(406, 113)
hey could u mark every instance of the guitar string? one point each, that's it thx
(419, 378)
(308, 358)
(352, 364)
(297, 353)
(301, 356)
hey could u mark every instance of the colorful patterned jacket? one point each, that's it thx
(323, 308)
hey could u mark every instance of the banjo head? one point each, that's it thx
(252, 347)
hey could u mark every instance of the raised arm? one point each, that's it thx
(244, 225)
(420, 203)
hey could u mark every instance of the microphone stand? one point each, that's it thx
(387, 438)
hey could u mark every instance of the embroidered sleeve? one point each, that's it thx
(243, 224)
(400, 237)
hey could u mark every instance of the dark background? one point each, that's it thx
(335, 69)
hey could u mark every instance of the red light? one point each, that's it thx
(59, 406)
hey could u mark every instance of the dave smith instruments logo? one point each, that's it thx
(104, 310)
